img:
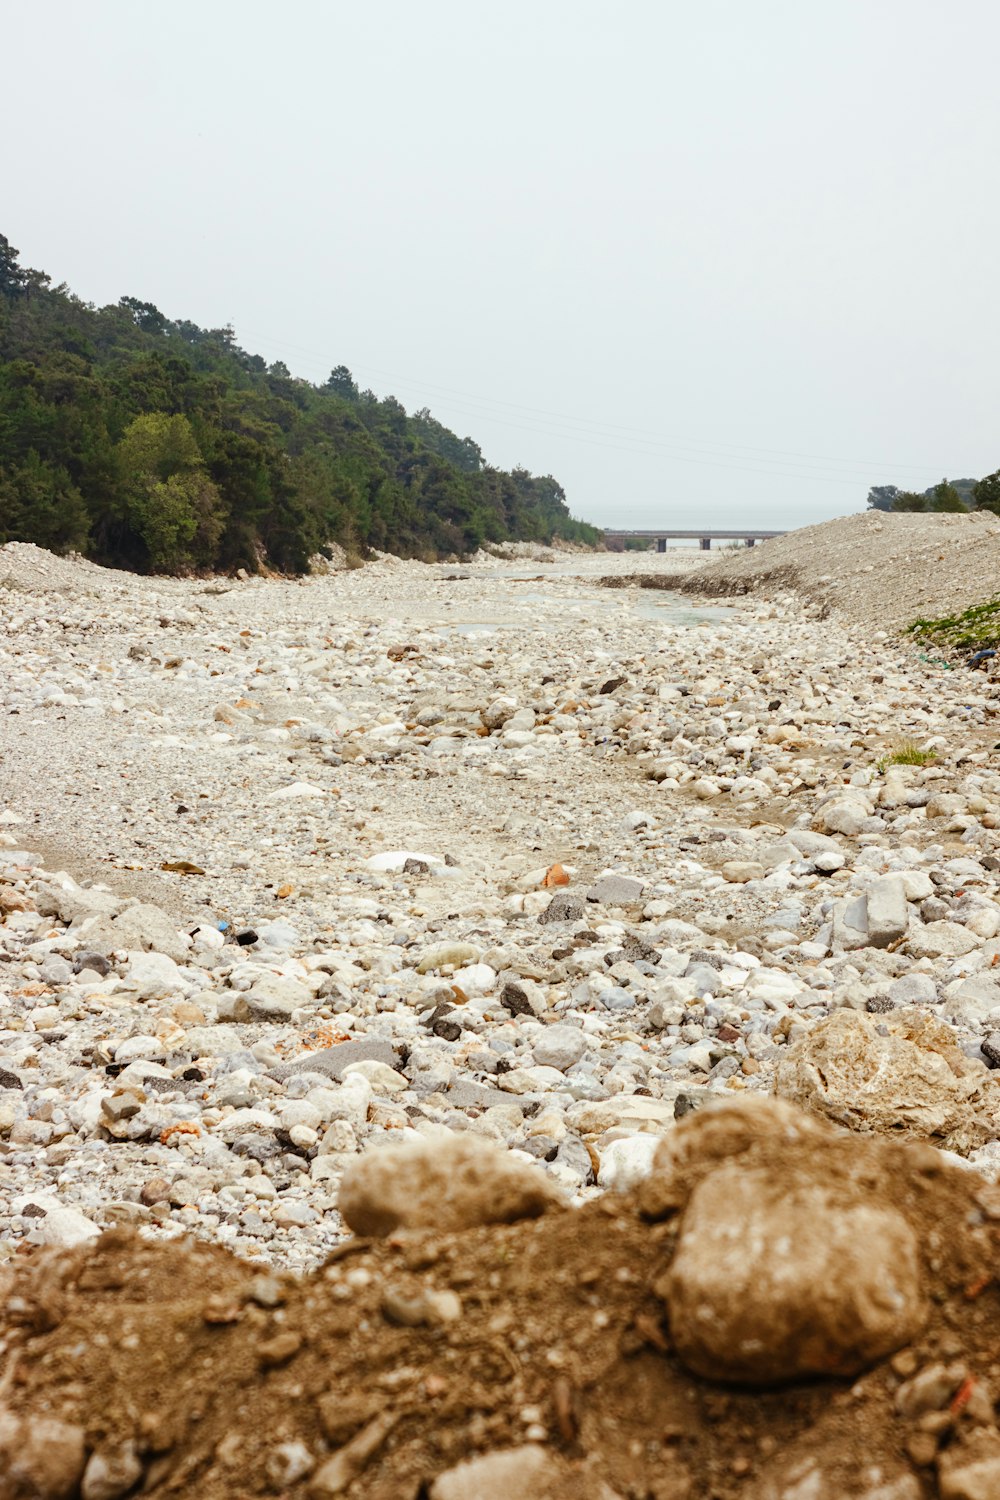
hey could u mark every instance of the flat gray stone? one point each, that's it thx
(466, 1094)
(331, 1061)
(616, 890)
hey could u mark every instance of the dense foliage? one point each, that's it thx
(950, 494)
(159, 445)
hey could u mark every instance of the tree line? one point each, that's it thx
(949, 495)
(153, 444)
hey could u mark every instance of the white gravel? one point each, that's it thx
(378, 773)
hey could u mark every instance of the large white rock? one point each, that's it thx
(626, 1162)
(59, 1225)
(154, 975)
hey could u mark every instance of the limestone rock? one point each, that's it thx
(142, 927)
(154, 975)
(774, 1280)
(739, 871)
(529, 1472)
(616, 890)
(111, 1474)
(454, 954)
(850, 925)
(886, 909)
(445, 1182)
(58, 1224)
(846, 815)
(559, 1047)
(941, 940)
(945, 805)
(40, 1458)
(971, 1471)
(901, 1073)
(273, 998)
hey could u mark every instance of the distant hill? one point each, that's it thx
(156, 445)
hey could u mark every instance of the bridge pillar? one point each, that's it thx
(751, 541)
(661, 544)
(706, 544)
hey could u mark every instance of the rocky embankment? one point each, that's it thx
(876, 570)
(507, 924)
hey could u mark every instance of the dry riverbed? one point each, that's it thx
(414, 899)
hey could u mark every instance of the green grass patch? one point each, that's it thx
(975, 629)
(906, 753)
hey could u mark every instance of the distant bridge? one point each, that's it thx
(614, 537)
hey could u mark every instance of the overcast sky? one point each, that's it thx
(713, 262)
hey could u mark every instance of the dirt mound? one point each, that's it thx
(876, 569)
(549, 1347)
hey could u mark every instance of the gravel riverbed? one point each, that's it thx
(295, 873)
(412, 849)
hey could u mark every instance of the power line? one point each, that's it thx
(717, 457)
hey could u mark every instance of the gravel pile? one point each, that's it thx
(877, 570)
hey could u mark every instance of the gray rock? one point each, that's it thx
(559, 1047)
(331, 1061)
(702, 978)
(617, 998)
(562, 908)
(888, 917)
(573, 1154)
(616, 890)
(913, 989)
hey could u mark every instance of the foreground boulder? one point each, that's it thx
(778, 1279)
(548, 1358)
(792, 1259)
(447, 1183)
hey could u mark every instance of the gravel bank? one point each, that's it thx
(875, 570)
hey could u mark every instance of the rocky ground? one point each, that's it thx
(411, 901)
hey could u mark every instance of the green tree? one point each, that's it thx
(155, 443)
(340, 382)
(39, 503)
(170, 500)
(13, 278)
(946, 497)
(882, 496)
(986, 493)
(909, 500)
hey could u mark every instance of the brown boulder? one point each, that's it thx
(778, 1278)
(40, 1457)
(446, 1183)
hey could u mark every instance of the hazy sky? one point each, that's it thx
(718, 262)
